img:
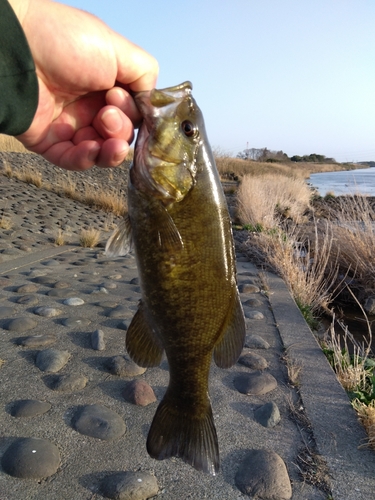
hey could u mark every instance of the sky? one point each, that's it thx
(290, 75)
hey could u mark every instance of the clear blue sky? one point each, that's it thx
(291, 75)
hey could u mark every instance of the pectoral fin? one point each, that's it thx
(169, 236)
(142, 342)
(230, 346)
(120, 242)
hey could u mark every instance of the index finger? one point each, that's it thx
(136, 68)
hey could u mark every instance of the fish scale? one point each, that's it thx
(180, 227)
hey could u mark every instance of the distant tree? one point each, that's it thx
(262, 155)
(313, 158)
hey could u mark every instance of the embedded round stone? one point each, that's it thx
(139, 392)
(256, 342)
(50, 263)
(29, 408)
(74, 301)
(99, 422)
(129, 486)
(61, 284)
(21, 324)
(37, 340)
(255, 384)
(69, 383)
(248, 288)
(41, 277)
(254, 315)
(51, 360)
(28, 288)
(123, 325)
(123, 367)
(75, 322)
(47, 312)
(28, 300)
(101, 289)
(115, 276)
(97, 340)
(252, 303)
(118, 312)
(268, 415)
(253, 361)
(31, 458)
(263, 474)
(44, 279)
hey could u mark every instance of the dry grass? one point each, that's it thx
(366, 415)
(7, 170)
(294, 368)
(302, 265)
(10, 144)
(264, 200)
(314, 470)
(68, 188)
(60, 238)
(354, 367)
(351, 369)
(229, 167)
(5, 223)
(353, 228)
(89, 238)
(109, 201)
(30, 176)
(113, 202)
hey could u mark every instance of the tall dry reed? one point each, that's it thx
(264, 200)
(353, 228)
(303, 266)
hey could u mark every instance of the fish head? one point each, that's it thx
(166, 150)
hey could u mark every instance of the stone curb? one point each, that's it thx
(336, 429)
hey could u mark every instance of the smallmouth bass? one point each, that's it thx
(179, 225)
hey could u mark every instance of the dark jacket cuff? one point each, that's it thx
(18, 80)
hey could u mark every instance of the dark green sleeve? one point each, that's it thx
(18, 81)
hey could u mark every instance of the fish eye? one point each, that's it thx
(189, 128)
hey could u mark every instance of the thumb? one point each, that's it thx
(137, 69)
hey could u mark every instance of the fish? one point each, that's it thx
(190, 309)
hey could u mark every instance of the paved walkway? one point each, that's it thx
(316, 417)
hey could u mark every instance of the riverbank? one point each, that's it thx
(316, 437)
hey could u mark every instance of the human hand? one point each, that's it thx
(85, 114)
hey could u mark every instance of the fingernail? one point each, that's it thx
(119, 157)
(93, 153)
(111, 120)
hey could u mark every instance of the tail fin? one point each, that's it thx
(175, 433)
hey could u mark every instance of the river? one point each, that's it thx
(361, 181)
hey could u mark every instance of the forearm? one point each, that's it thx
(18, 80)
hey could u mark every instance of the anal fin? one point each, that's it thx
(142, 342)
(228, 350)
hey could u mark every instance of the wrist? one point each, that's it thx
(20, 8)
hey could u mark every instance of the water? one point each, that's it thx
(361, 181)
